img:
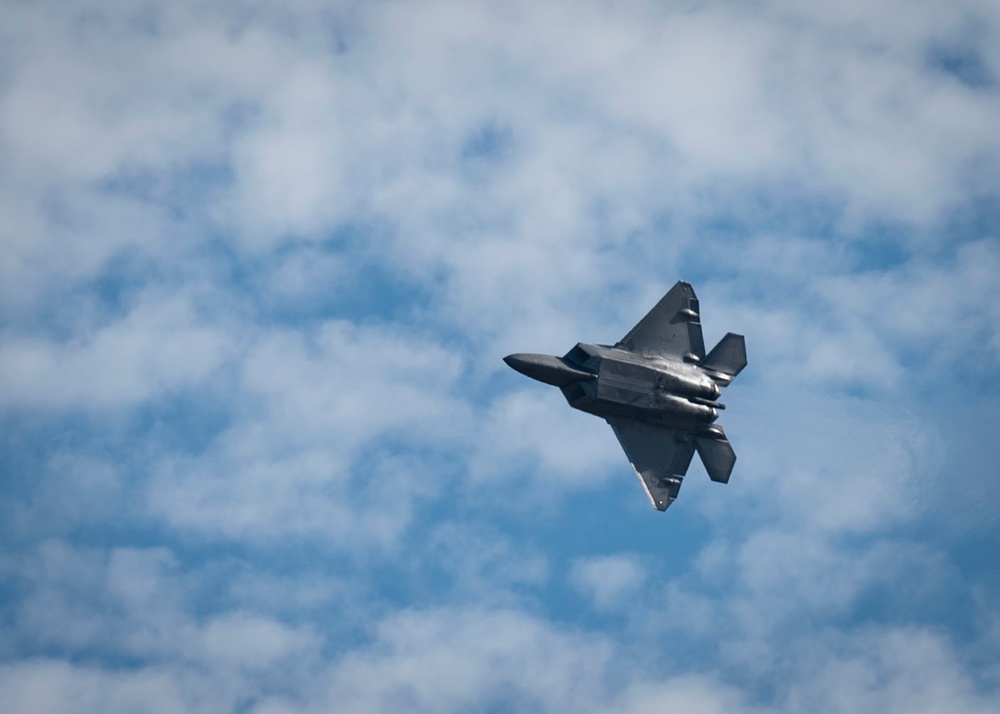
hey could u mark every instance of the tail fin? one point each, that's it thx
(717, 454)
(727, 359)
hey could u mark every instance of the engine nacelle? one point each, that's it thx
(682, 384)
(685, 408)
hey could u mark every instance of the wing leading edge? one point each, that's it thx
(660, 457)
(671, 329)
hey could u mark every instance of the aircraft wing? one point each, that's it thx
(671, 329)
(660, 457)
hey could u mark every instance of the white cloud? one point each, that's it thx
(294, 462)
(685, 693)
(946, 306)
(350, 383)
(484, 566)
(160, 346)
(54, 687)
(288, 148)
(252, 642)
(97, 607)
(904, 670)
(457, 660)
(606, 580)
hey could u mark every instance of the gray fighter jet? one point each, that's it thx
(657, 389)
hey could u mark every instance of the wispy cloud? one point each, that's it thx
(260, 266)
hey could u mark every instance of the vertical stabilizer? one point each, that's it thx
(727, 359)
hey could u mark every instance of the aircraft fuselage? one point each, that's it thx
(611, 382)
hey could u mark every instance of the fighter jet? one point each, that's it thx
(657, 389)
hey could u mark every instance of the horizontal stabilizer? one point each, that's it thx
(727, 359)
(717, 455)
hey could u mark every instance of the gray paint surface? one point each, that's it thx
(657, 389)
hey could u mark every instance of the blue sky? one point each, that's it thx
(261, 262)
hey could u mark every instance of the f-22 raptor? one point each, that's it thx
(657, 389)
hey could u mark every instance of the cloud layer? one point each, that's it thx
(260, 265)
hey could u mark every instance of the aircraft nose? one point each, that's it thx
(526, 364)
(545, 368)
(519, 361)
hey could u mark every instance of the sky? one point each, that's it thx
(260, 263)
